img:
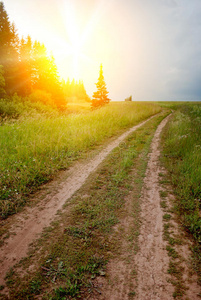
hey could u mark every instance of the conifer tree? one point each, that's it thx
(9, 42)
(100, 97)
(2, 83)
(45, 75)
(26, 68)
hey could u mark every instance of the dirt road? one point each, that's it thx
(152, 259)
(28, 225)
(144, 275)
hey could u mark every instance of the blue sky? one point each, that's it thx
(150, 49)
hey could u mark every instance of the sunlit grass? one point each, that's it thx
(182, 150)
(32, 150)
(73, 254)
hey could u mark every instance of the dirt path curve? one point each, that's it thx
(29, 224)
(152, 259)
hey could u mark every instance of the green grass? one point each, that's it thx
(174, 105)
(163, 194)
(166, 217)
(32, 150)
(182, 157)
(182, 151)
(77, 249)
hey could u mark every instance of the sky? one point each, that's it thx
(150, 49)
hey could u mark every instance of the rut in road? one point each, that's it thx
(27, 226)
(144, 275)
(151, 261)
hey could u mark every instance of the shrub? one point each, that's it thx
(42, 97)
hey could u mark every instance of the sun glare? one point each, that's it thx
(71, 46)
(69, 51)
(72, 41)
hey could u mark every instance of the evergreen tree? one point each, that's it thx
(75, 91)
(100, 97)
(9, 52)
(2, 83)
(26, 69)
(45, 75)
(5, 34)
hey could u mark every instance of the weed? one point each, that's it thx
(165, 181)
(35, 286)
(53, 272)
(131, 294)
(166, 217)
(173, 241)
(163, 204)
(163, 194)
(172, 252)
(174, 269)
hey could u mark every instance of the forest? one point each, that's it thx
(29, 74)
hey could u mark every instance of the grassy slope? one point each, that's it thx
(33, 149)
(182, 154)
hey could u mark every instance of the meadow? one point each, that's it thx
(34, 147)
(182, 155)
(75, 249)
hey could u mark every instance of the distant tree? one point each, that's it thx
(75, 91)
(45, 75)
(9, 59)
(2, 83)
(100, 97)
(25, 66)
(5, 34)
(129, 98)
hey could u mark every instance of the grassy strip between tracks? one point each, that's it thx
(32, 150)
(75, 249)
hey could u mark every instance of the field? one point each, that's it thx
(99, 229)
(32, 149)
(182, 157)
(182, 151)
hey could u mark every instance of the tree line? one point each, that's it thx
(74, 90)
(26, 67)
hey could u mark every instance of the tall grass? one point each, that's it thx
(32, 150)
(182, 149)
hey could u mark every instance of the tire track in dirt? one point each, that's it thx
(152, 259)
(27, 226)
(150, 264)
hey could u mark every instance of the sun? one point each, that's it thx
(70, 48)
